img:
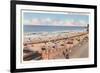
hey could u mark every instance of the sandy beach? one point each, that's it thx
(62, 45)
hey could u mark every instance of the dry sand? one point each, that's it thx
(61, 47)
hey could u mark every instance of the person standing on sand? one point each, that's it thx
(66, 54)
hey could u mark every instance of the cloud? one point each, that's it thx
(72, 22)
(55, 22)
(27, 22)
(83, 23)
(35, 21)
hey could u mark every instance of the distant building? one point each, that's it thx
(87, 27)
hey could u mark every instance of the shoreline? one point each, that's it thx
(51, 37)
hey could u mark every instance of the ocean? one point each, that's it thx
(39, 28)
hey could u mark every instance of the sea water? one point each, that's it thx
(40, 28)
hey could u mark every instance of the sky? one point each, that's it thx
(52, 19)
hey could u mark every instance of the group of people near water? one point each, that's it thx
(53, 49)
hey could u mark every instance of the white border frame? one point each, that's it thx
(52, 63)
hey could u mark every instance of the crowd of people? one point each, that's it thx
(54, 49)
